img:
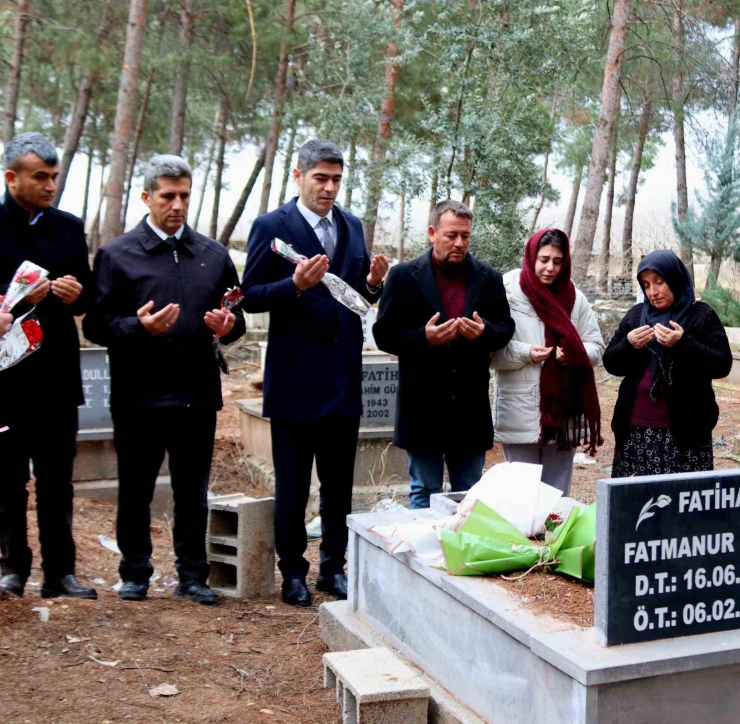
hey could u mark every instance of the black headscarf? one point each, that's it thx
(667, 265)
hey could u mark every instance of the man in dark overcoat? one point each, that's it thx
(40, 395)
(312, 386)
(443, 315)
(157, 307)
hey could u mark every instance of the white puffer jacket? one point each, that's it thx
(516, 405)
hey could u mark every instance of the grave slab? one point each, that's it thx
(377, 461)
(507, 664)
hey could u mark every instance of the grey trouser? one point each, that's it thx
(557, 466)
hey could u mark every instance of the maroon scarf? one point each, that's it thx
(568, 396)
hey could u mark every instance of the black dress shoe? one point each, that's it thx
(68, 587)
(133, 591)
(197, 592)
(12, 585)
(335, 584)
(295, 592)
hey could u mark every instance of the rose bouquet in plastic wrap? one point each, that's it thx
(339, 289)
(25, 336)
(26, 279)
(230, 300)
(508, 522)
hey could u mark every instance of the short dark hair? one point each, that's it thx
(29, 142)
(456, 207)
(319, 151)
(556, 238)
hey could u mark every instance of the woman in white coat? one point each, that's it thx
(545, 399)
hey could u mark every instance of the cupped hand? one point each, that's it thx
(39, 294)
(160, 322)
(308, 273)
(443, 333)
(378, 270)
(668, 337)
(472, 328)
(538, 353)
(67, 288)
(220, 321)
(641, 336)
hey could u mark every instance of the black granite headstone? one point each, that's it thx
(667, 556)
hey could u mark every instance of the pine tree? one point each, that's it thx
(715, 229)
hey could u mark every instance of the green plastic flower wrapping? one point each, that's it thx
(488, 543)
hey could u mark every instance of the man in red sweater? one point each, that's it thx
(443, 315)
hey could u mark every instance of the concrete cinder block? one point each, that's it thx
(241, 545)
(342, 630)
(376, 687)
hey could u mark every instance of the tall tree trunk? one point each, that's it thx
(735, 68)
(241, 204)
(715, 264)
(74, 130)
(209, 163)
(629, 212)
(682, 189)
(434, 190)
(180, 90)
(278, 97)
(402, 227)
(349, 186)
(137, 140)
(545, 163)
(602, 136)
(377, 166)
(16, 62)
(94, 237)
(124, 116)
(220, 154)
(86, 197)
(82, 106)
(603, 283)
(288, 164)
(573, 203)
(541, 202)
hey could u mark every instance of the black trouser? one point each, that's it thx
(295, 444)
(48, 437)
(141, 439)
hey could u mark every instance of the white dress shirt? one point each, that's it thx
(161, 234)
(314, 221)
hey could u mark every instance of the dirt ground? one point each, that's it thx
(257, 661)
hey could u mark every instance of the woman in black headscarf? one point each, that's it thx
(668, 349)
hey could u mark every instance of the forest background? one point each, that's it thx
(611, 119)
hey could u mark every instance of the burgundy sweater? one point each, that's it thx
(649, 412)
(453, 286)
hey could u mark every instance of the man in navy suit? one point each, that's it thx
(313, 371)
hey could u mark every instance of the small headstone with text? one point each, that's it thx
(667, 556)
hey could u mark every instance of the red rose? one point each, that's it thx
(232, 298)
(34, 334)
(30, 277)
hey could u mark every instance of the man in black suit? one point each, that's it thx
(40, 395)
(156, 307)
(312, 387)
(444, 314)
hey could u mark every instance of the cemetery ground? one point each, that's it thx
(243, 661)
